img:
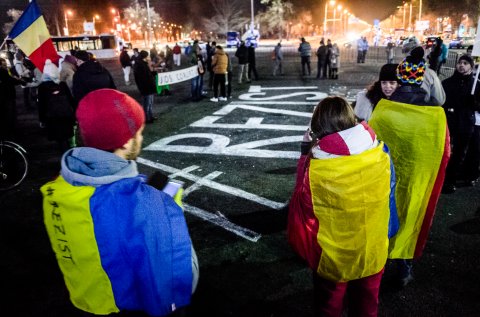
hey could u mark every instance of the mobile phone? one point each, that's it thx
(172, 187)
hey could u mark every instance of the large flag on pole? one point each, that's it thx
(31, 35)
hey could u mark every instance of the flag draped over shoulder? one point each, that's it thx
(31, 35)
(342, 229)
(419, 144)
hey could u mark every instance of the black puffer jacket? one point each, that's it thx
(460, 105)
(144, 78)
(91, 76)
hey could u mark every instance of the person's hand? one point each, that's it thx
(306, 136)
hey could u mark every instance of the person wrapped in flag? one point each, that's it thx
(121, 244)
(416, 132)
(343, 211)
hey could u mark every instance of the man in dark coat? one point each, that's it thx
(322, 54)
(460, 107)
(242, 55)
(90, 76)
(126, 62)
(145, 80)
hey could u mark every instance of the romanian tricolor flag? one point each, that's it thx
(419, 142)
(31, 35)
(342, 213)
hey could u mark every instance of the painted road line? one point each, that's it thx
(313, 95)
(219, 146)
(214, 185)
(232, 106)
(256, 88)
(198, 184)
(252, 123)
(223, 222)
(276, 102)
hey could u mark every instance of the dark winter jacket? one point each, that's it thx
(144, 78)
(322, 53)
(413, 95)
(125, 59)
(56, 109)
(460, 105)
(242, 54)
(90, 76)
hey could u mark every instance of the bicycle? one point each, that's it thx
(13, 165)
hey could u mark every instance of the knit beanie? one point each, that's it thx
(108, 118)
(410, 71)
(50, 72)
(388, 72)
(468, 59)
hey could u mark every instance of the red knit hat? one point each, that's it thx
(108, 118)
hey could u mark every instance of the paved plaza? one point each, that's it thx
(238, 162)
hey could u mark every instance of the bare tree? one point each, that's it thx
(137, 14)
(14, 14)
(228, 16)
(274, 17)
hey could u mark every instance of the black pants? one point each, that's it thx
(321, 69)
(305, 62)
(252, 69)
(472, 159)
(461, 142)
(219, 79)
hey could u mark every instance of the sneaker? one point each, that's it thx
(222, 99)
(214, 99)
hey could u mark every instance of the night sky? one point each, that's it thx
(180, 11)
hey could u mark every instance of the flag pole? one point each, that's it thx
(3, 43)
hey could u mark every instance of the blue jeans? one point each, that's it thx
(197, 87)
(147, 106)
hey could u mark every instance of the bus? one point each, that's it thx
(102, 46)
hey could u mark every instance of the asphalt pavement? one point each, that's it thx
(237, 160)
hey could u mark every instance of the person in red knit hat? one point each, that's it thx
(121, 243)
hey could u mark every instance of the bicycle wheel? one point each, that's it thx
(13, 165)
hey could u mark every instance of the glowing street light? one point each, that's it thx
(65, 29)
(95, 17)
(332, 3)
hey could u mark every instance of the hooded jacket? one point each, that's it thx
(120, 243)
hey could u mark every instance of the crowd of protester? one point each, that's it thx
(407, 133)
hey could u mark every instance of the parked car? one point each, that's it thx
(461, 42)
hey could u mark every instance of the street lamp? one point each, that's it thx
(149, 25)
(117, 21)
(65, 29)
(332, 3)
(253, 22)
(96, 16)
